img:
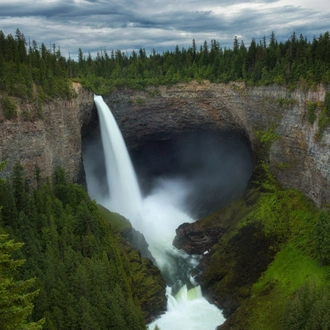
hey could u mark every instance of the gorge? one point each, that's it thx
(156, 216)
(294, 151)
(297, 157)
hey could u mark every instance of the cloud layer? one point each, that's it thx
(102, 24)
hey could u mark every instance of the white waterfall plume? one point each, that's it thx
(125, 196)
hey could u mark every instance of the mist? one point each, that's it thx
(203, 170)
(212, 167)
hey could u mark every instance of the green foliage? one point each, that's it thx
(22, 68)
(10, 108)
(116, 220)
(311, 116)
(38, 108)
(264, 140)
(290, 270)
(327, 103)
(308, 308)
(295, 62)
(284, 102)
(322, 237)
(83, 275)
(324, 121)
(279, 222)
(267, 137)
(16, 298)
(2, 166)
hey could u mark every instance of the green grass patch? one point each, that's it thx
(283, 102)
(285, 213)
(289, 271)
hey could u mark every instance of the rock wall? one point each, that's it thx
(54, 140)
(297, 157)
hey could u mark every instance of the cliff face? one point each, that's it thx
(54, 140)
(297, 158)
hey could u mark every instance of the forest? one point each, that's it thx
(65, 266)
(71, 265)
(25, 65)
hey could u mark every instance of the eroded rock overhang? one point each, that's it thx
(297, 157)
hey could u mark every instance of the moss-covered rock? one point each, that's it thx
(265, 256)
(243, 259)
(148, 284)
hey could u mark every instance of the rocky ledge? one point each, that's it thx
(194, 239)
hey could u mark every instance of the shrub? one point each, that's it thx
(327, 103)
(322, 237)
(10, 108)
(311, 112)
(323, 122)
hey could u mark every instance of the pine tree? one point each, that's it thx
(15, 295)
(322, 237)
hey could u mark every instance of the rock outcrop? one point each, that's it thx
(47, 142)
(195, 239)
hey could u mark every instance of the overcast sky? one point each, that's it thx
(160, 24)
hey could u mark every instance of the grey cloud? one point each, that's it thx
(162, 25)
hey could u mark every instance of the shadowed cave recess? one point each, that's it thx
(212, 165)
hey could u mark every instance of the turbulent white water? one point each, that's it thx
(156, 216)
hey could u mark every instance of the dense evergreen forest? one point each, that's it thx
(25, 66)
(76, 272)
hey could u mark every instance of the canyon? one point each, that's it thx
(298, 156)
(271, 120)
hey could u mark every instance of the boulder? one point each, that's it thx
(194, 239)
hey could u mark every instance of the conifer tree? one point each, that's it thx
(16, 298)
(323, 237)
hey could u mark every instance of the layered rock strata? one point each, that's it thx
(299, 157)
(47, 142)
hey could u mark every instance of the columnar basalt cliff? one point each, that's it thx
(297, 157)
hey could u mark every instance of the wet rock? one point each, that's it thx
(195, 239)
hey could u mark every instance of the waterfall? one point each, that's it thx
(125, 196)
(156, 216)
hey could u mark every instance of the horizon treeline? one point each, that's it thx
(26, 68)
